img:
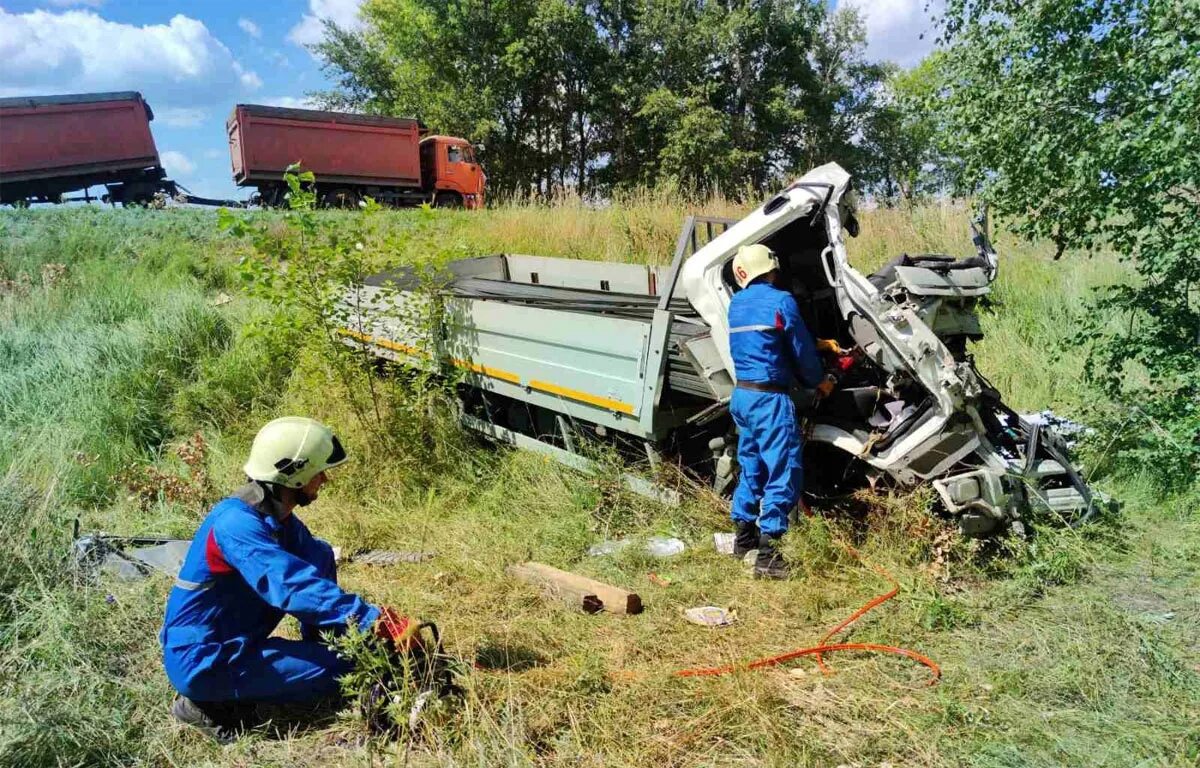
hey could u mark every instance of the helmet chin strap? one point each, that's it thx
(303, 499)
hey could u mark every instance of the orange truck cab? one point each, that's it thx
(449, 168)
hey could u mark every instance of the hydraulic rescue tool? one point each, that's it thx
(416, 673)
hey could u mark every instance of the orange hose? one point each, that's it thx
(825, 647)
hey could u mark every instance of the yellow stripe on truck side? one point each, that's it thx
(584, 397)
(385, 343)
(487, 370)
(498, 373)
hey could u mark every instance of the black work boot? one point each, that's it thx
(745, 538)
(221, 722)
(769, 564)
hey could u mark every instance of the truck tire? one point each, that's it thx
(340, 197)
(448, 200)
(273, 196)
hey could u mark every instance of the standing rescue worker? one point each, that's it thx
(252, 561)
(771, 348)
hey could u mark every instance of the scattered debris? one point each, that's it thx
(221, 299)
(1068, 429)
(710, 616)
(590, 595)
(824, 645)
(661, 546)
(609, 547)
(723, 542)
(389, 557)
(657, 546)
(129, 558)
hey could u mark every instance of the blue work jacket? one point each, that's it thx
(768, 341)
(244, 570)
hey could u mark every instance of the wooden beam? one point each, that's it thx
(590, 595)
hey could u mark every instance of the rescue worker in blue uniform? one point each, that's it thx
(252, 561)
(771, 348)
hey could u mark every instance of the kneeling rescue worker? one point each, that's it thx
(252, 561)
(771, 348)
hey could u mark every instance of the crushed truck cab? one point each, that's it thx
(557, 351)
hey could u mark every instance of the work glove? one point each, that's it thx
(829, 346)
(398, 631)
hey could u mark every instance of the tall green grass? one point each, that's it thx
(1076, 648)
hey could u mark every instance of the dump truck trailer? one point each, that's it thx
(389, 159)
(51, 146)
(559, 351)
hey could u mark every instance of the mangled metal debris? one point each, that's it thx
(559, 352)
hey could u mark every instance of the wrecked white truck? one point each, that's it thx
(559, 351)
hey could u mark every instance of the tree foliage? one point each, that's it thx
(600, 94)
(1082, 118)
(905, 141)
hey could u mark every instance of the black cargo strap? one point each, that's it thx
(762, 386)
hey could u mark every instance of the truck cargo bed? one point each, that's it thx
(488, 279)
(338, 147)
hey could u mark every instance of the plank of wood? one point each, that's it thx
(588, 594)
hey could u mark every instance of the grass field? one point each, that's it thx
(1078, 648)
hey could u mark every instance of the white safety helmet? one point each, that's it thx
(293, 450)
(753, 261)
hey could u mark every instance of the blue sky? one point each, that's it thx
(194, 60)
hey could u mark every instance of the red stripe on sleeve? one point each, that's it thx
(213, 557)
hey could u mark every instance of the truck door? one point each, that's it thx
(459, 172)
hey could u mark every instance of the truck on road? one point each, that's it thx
(51, 146)
(557, 352)
(389, 159)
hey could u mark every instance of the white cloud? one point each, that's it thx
(291, 102)
(310, 30)
(895, 28)
(250, 28)
(177, 64)
(176, 163)
(249, 79)
(213, 154)
(181, 117)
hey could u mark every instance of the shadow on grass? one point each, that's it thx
(508, 658)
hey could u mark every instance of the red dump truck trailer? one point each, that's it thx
(51, 146)
(389, 159)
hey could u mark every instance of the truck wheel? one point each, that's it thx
(448, 200)
(272, 197)
(340, 198)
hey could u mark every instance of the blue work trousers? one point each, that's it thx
(769, 454)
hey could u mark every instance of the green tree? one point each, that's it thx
(602, 93)
(1082, 120)
(847, 93)
(902, 137)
